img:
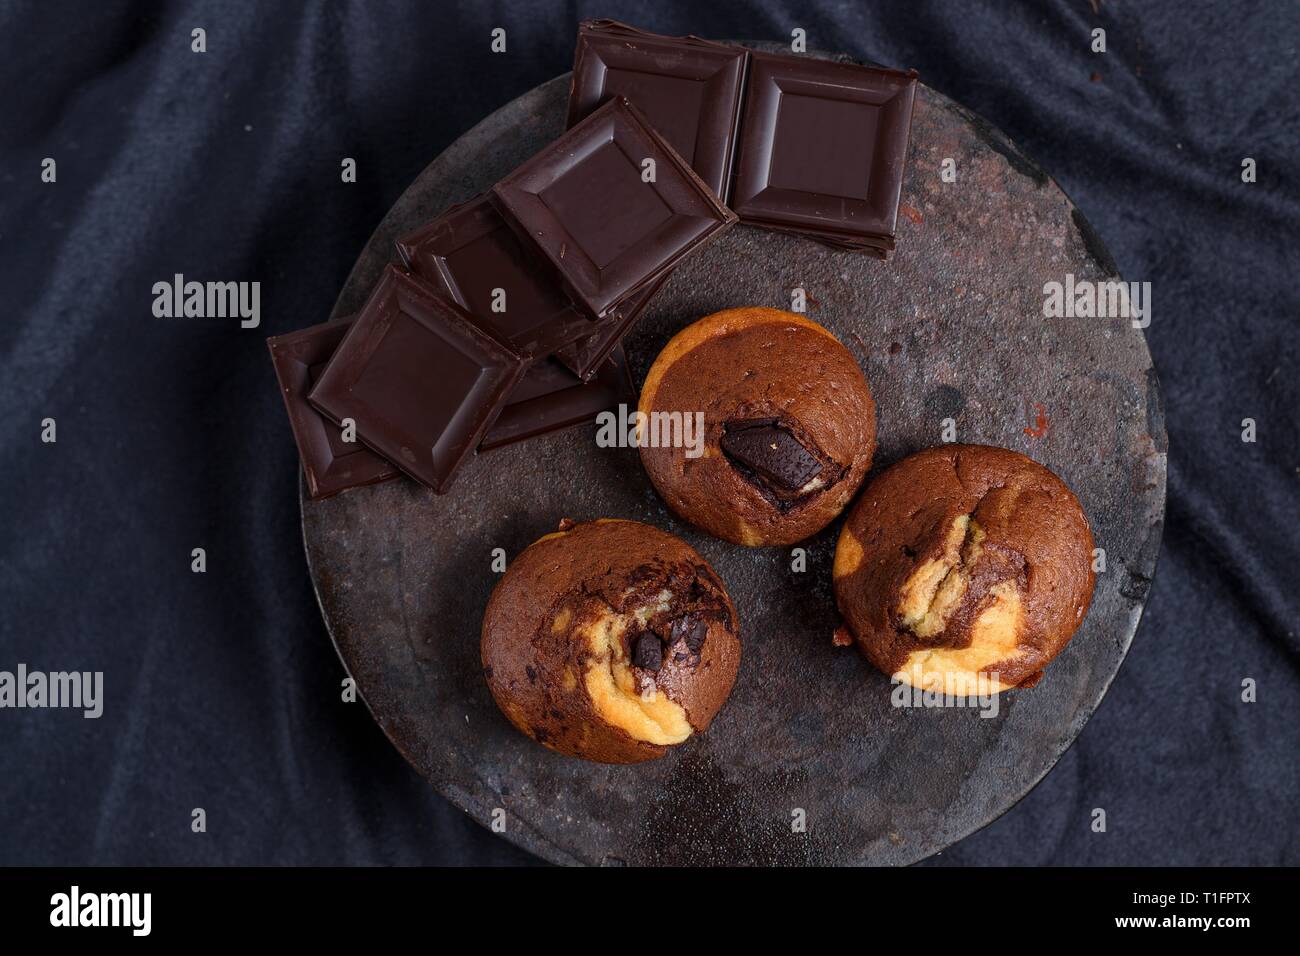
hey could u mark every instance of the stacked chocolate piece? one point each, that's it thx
(505, 316)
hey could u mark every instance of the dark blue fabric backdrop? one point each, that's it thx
(223, 689)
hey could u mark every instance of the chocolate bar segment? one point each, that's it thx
(550, 398)
(689, 89)
(472, 255)
(771, 451)
(585, 357)
(420, 376)
(589, 205)
(329, 464)
(822, 149)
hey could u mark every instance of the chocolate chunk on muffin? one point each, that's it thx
(964, 569)
(611, 641)
(789, 426)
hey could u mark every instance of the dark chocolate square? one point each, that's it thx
(473, 256)
(550, 398)
(822, 148)
(422, 379)
(329, 464)
(689, 89)
(582, 202)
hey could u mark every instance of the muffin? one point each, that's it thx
(789, 426)
(611, 641)
(964, 569)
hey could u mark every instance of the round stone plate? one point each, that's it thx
(952, 327)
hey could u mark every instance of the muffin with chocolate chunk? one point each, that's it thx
(964, 569)
(611, 641)
(789, 426)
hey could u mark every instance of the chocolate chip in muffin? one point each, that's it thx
(648, 652)
(770, 450)
(690, 629)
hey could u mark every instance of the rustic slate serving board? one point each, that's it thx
(951, 327)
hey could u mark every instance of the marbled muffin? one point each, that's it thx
(611, 641)
(789, 425)
(962, 563)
